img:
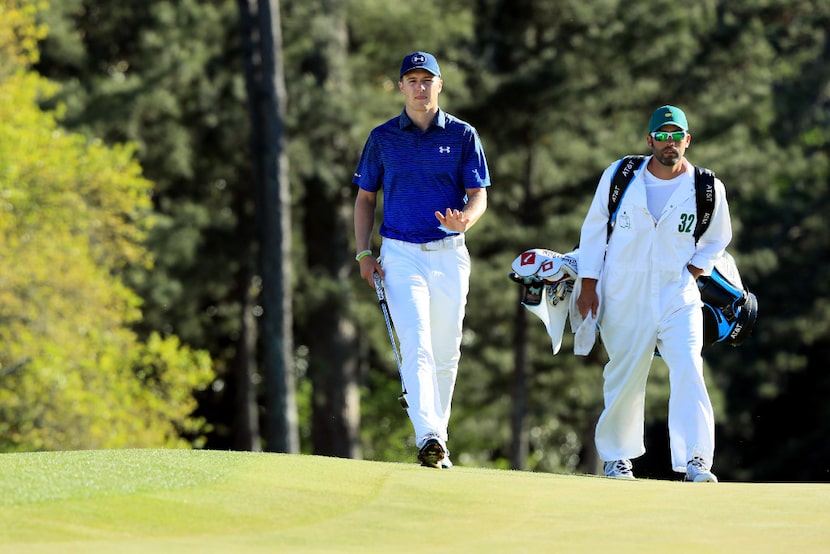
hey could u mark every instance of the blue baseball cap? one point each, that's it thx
(420, 60)
(667, 115)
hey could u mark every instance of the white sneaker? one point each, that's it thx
(446, 463)
(619, 469)
(698, 472)
(432, 452)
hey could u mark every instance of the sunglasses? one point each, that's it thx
(663, 136)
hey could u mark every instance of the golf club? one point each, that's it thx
(385, 309)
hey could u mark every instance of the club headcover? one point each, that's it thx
(549, 265)
(531, 262)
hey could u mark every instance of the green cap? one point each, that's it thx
(667, 115)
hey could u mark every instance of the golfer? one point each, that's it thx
(431, 168)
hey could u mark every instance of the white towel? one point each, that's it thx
(586, 335)
(553, 316)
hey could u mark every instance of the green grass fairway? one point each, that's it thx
(235, 502)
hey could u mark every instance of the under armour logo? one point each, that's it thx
(444, 149)
(418, 59)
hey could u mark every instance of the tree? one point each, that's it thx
(168, 78)
(266, 91)
(318, 39)
(75, 215)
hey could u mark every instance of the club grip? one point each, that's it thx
(379, 288)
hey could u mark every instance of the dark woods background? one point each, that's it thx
(558, 90)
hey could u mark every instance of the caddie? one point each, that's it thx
(640, 283)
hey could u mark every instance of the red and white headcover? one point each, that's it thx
(548, 265)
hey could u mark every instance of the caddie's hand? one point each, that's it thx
(588, 300)
(368, 267)
(454, 220)
(695, 271)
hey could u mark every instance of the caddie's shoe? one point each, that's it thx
(619, 469)
(446, 463)
(431, 454)
(698, 472)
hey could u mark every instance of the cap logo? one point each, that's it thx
(418, 58)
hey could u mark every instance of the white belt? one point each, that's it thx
(453, 241)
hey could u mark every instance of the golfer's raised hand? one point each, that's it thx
(454, 220)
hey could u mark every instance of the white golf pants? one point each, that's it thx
(426, 289)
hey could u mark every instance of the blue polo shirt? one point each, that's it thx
(421, 172)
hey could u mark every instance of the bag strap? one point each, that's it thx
(704, 193)
(619, 184)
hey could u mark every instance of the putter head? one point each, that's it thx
(402, 400)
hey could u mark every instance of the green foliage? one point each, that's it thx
(75, 213)
(19, 35)
(166, 78)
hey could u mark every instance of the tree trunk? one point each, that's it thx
(328, 202)
(333, 366)
(246, 431)
(520, 445)
(262, 40)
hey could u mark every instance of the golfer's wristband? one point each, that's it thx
(362, 254)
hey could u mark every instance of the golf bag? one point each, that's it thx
(729, 309)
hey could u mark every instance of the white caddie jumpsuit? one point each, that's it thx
(649, 298)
